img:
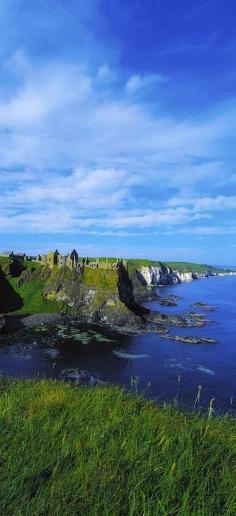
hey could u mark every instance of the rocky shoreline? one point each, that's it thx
(146, 322)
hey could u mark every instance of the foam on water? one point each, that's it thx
(123, 354)
(53, 353)
(204, 369)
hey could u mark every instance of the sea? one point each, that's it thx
(166, 371)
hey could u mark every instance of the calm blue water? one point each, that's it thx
(148, 357)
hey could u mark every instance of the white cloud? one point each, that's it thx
(80, 156)
(59, 117)
(209, 230)
(220, 202)
(143, 82)
(44, 92)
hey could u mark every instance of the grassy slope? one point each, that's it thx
(26, 263)
(180, 266)
(32, 293)
(189, 267)
(103, 452)
(33, 298)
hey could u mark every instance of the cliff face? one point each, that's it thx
(101, 296)
(164, 275)
(104, 297)
(97, 296)
(157, 275)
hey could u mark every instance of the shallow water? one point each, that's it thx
(92, 355)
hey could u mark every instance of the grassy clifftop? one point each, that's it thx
(72, 451)
(28, 287)
(192, 267)
(105, 279)
(34, 290)
(137, 263)
(179, 266)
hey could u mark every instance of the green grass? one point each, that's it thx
(190, 266)
(98, 451)
(142, 262)
(31, 265)
(103, 279)
(4, 260)
(103, 259)
(33, 297)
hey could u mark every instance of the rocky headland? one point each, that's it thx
(154, 275)
(105, 297)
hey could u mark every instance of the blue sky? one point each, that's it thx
(117, 128)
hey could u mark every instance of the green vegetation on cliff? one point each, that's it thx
(22, 288)
(137, 263)
(99, 451)
(28, 287)
(192, 267)
(8, 263)
(37, 290)
(105, 279)
(33, 298)
(179, 266)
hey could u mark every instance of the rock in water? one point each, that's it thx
(204, 306)
(190, 340)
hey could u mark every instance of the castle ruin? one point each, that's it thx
(74, 262)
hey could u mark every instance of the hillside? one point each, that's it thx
(95, 451)
(23, 297)
(192, 267)
(102, 296)
(95, 294)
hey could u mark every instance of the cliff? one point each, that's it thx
(101, 296)
(164, 275)
(97, 296)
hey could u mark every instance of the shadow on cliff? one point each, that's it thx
(126, 293)
(9, 299)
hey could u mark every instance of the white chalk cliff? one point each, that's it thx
(164, 275)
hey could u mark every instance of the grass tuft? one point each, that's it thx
(93, 451)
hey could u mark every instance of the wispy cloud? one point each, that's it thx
(198, 48)
(82, 152)
(137, 83)
(220, 202)
(92, 144)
